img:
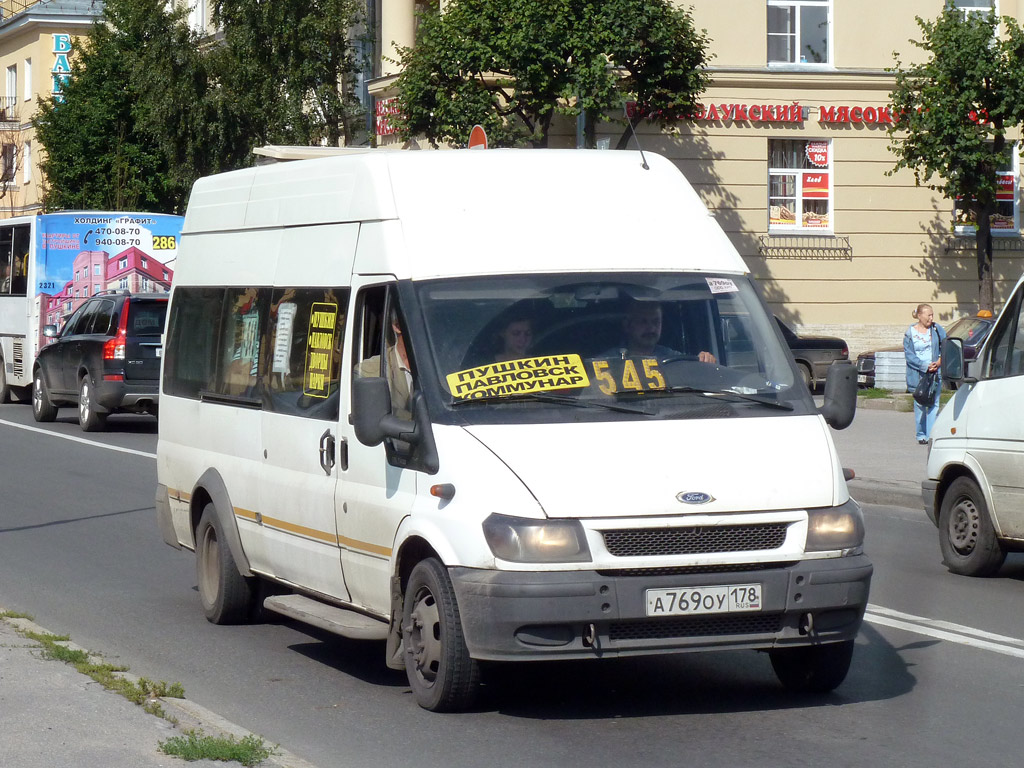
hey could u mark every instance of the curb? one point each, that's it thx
(894, 494)
(182, 714)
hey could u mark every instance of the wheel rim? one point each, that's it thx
(209, 566)
(83, 401)
(37, 395)
(425, 637)
(964, 523)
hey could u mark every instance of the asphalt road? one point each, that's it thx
(79, 550)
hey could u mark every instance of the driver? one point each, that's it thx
(642, 330)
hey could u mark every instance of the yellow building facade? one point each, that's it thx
(791, 153)
(35, 43)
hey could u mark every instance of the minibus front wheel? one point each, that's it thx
(441, 673)
(226, 595)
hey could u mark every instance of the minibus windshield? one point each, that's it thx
(640, 344)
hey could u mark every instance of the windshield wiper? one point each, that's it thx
(556, 399)
(759, 399)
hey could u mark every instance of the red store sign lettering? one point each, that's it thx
(792, 113)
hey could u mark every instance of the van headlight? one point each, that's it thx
(524, 540)
(831, 528)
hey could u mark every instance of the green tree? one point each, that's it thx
(953, 111)
(292, 68)
(513, 65)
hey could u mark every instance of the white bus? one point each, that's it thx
(51, 263)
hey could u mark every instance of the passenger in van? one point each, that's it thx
(642, 331)
(399, 372)
(514, 338)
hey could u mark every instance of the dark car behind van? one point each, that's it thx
(105, 359)
(814, 354)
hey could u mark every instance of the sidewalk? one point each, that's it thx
(53, 716)
(881, 450)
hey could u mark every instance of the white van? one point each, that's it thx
(974, 491)
(499, 405)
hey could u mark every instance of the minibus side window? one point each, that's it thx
(1007, 345)
(241, 347)
(306, 332)
(192, 343)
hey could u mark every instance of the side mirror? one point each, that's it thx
(50, 331)
(373, 421)
(953, 361)
(840, 404)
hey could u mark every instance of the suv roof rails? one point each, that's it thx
(113, 292)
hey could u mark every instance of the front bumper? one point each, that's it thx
(517, 616)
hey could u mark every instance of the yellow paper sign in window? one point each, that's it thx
(518, 377)
(323, 318)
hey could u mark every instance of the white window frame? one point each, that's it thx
(970, 230)
(27, 93)
(26, 163)
(994, 6)
(798, 174)
(798, 5)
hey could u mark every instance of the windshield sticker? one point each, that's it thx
(323, 318)
(517, 377)
(721, 285)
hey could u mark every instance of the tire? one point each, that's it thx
(42, 408)
(812, 668)
(441, 673)
(5, 388)
(226, 595)
(966, 536)
(805, 374)
(88, 417)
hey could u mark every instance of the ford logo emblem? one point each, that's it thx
(694, 497)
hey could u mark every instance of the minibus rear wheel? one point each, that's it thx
(441, 673)
(812, 668)
(226, 595)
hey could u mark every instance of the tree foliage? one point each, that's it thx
(513, 65)
(953, 112)
(151, 106)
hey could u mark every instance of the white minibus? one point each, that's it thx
(500, 405)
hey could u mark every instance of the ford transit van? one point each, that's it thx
(974, 491)
(499, 405)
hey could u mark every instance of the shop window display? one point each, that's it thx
(799, 185)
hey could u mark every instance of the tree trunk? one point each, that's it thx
(983, 244)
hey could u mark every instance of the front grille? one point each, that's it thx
(703, 626)
(689, 570)
(696, 540)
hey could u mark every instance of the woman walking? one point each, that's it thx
(922, 346)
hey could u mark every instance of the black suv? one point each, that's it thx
(106, 359)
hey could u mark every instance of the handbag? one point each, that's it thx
(924, 392)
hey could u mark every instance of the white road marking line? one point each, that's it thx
(954, 633)
(74, 439)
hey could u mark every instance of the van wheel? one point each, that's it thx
(812, 668)
(227, 596)
(88, 417)
(42, 408)
(441, 673)
(966, 536)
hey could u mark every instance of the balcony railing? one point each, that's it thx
(8, 109)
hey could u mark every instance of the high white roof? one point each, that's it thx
(484, 211)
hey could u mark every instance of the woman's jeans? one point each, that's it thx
(924, 417)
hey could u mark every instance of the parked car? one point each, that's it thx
(814, 354)
(106, 359)
(971, 329)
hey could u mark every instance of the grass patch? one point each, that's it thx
(14, 615)
(141, 692)
(196, 745)
(874, 393)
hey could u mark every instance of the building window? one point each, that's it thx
(799, 185)
(9, 164)
(799, 31)
(28, 79)
(95, 289)
(123, 284)
(1006, 219)
(122, 264)
(143, 262)
(976, 6)
(97, 270)
(197, 16)
(145, 285)
(26, 165)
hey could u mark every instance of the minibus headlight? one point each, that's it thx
(839, 527)
(524, 540)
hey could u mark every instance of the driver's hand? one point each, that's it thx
(706, 357)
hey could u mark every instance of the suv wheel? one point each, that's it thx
(88, 417)
(42, 408)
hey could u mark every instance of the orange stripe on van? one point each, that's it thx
(313, 533)
(178, 495)
(245, 514)
(375, 549)
(302, 530)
